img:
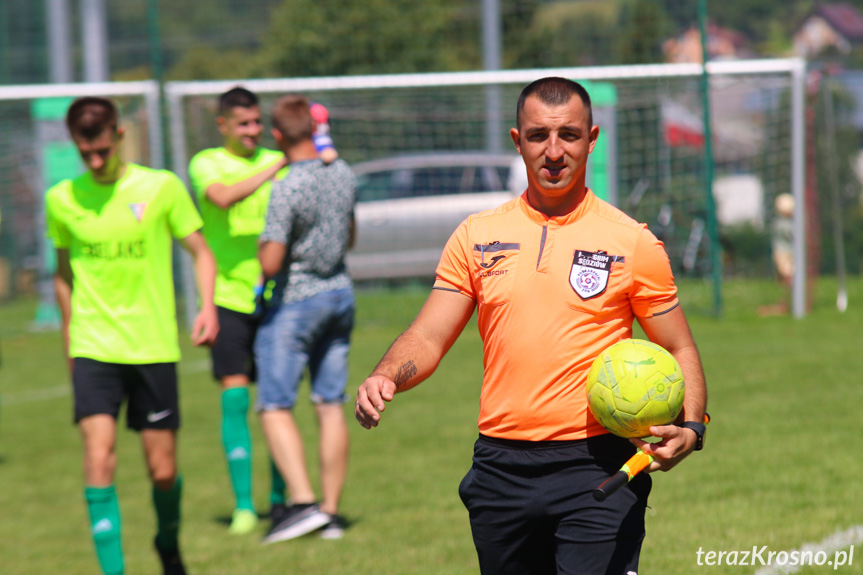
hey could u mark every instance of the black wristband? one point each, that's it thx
(699, 429)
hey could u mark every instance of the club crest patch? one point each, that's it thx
(138, 209)
(590, 271)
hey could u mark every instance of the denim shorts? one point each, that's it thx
(313, 332)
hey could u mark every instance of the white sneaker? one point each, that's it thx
(335, 529)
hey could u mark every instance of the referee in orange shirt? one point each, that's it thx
(556, 276)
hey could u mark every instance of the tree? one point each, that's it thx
(196, 43)
(343, 37)
(563, 34)
(643, 26)
(753, 17)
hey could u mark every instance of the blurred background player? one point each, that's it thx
(782, 247)
(308, 322)
(232, 184)
(782, 243)
(112, 228)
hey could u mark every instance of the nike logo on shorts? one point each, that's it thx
(155, 416)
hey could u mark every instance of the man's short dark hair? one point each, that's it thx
(293, 118)
(237, 97)
(89, 116)
(554, 91)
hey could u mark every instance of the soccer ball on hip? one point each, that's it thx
(632, 385)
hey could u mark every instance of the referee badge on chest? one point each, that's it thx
(590, 271)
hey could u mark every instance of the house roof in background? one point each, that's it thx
(843, 17)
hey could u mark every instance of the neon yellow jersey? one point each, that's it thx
(119, 238)
(233, 233)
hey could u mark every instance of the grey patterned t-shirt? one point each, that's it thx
(310, 212)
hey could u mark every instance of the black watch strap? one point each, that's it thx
(699, 429)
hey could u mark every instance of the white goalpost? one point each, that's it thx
(148, 90)
(36, 152)
(653, 160)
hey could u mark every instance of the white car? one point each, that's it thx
(408, 206)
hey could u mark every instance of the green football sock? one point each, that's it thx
(167, 504)
(238, 443)
(277, 492)
(105, 527)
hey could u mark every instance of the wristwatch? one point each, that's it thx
(699, 429)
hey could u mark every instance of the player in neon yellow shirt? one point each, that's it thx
(232, 184)
(113, 228)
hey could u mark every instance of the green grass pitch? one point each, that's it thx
(781, 467)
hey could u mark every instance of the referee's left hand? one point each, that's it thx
(206, 327)
(674, 445)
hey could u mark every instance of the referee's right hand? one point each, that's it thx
(372, 397)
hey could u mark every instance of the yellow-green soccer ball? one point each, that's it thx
(634, 384)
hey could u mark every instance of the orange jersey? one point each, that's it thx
(551, 294)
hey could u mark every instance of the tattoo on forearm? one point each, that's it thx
(406, 371)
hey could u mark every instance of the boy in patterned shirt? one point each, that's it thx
(310, 221)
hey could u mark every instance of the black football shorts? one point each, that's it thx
(151, 391)
(233, 352)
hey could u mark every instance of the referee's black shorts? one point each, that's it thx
(532, 510)
(233, 353)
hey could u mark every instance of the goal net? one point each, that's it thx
(36, 153)
(650, 159)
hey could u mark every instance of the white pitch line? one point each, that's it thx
(65, 390)
(195, 366)
(35, 395)
(831, 544)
